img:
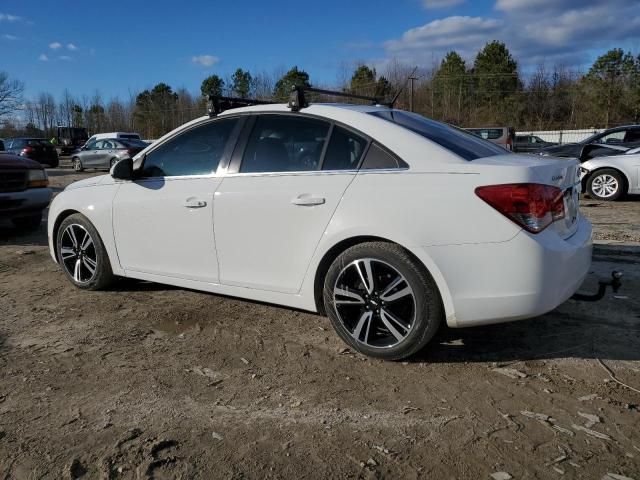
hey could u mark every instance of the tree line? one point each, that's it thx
(490, 91)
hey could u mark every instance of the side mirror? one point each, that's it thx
(123, 170)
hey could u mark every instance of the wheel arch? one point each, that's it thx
(625, 178)
(421, 259)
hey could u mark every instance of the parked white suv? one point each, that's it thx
(386, 221)
(110, 135)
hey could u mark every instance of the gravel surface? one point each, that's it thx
(149, 381)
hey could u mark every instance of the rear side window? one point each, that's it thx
(487, 133)
(344, 151)
(456, 140)
(378, 158)
(194, 152)
(284, 143)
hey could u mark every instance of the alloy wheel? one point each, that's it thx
(77, 166)
(374, 302)
(605, 185)
(78, 253)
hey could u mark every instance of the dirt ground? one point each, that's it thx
(149, 381)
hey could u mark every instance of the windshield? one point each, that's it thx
(456, 140)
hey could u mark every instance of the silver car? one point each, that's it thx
(611, 177)
(104, 153)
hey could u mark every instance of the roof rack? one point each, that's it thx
(217, 103)
(297, 98)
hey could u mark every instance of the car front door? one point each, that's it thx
(163, 221)
(90, 154)
(278, 197)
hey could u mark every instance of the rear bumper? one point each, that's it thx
(17, 204)
(524, 277)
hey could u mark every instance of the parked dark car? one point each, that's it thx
(529, 143)
(24, 191)
(628, 136)
(39, 149)
(105, 153)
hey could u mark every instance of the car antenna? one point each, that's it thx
(395, 99)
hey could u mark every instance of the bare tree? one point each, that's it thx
(10, 94)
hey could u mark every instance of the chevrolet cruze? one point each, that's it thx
(387, 222)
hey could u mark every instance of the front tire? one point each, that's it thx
(381, 301)
(606, 184)
(82, 255)
(77, 164)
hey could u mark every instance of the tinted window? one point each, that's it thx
(377, 157)
(463, 144)
(282, 143)
(130, 136)
(133, 143)
(195, 152)
(344, 151)
(632, 135)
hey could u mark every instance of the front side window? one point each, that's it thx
(284, 143)
(344, 151)
(460, 142)
(195, 152)
(614, 137)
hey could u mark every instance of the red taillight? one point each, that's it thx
(132, 151)
(510, 143)
(532, 206)
(26, 150)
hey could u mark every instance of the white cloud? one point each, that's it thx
(205, 60)
(65, 58)
(441, 3)
(6, 17)
(55, 45)
(571, 32)
(71, 46)
(43, 57)
(6, 36)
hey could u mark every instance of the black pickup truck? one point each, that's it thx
(24, 191)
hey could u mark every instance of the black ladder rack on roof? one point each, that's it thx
(218, 104)
(297, 98)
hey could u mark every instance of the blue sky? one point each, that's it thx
(119, 47)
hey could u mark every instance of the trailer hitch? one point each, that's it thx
(614, 282)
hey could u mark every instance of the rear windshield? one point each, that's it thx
(456, 140)
(130, 136)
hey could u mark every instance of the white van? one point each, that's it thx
(125, 135)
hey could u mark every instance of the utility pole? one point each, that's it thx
(411, 79)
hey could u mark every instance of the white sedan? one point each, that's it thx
(388, 222)
(611, 177)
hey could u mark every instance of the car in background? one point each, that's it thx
(69, 139)
(24, 190)
(503, 136)
(529, 143)
(104, 153)
(626, 136)
(39, 149)
(331, 208)
(612, 177)
(124, 135)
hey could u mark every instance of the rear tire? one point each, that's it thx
(381, 301)
(82, 255)
(607, 184)
(77, 164)
(28, 223)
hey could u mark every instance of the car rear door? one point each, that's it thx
(163, 220)
(278, 196)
